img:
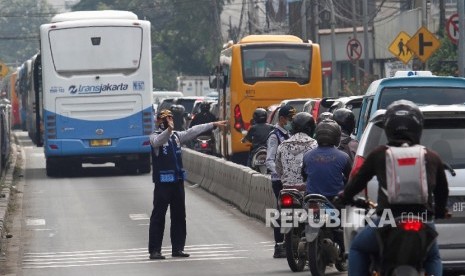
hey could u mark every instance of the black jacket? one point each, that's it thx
(258, 135)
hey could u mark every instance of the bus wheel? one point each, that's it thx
(145, 165)
(51, 167)
(144, 168)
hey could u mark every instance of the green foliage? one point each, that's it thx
(19, 29)
(184, 39)
(444, 61)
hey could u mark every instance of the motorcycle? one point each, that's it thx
(403, 246)
(324, 240)
(259, 159)
(290, 202)
(204, 144)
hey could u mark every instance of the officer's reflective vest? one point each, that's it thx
(167, 165)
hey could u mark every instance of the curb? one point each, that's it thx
(7, 180)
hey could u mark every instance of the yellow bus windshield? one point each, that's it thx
(276, 63)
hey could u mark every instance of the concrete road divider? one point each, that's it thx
(239, 185)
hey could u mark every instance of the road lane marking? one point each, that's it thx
(190, 259)
(63, 259)
(138, 216)
(35, 222)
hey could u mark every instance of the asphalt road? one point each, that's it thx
(96, 223)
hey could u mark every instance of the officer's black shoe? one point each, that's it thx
(156, 256)
(180, 253)
(279, 251)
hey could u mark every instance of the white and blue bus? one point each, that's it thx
(97, 90)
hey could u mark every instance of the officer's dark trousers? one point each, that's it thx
(165, 194)
(277, 187)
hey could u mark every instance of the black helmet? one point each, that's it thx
(328, 133)
(204, 107)
(323, 116)
(345, 118)
(177, 108)
(259, 115)
(403, 121)
(303, 122)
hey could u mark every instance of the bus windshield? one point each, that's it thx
(92, 49)
(276, 63)
(422, 95)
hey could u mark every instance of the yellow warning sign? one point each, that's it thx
(399, 48)
(423, 44)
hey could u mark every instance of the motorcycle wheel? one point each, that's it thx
(316, 260)
(262, 169)
(341, 265)
(296, 262)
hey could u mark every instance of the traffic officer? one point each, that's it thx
(275, 138)
(168, 176)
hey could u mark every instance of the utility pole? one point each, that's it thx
(251, 15)
(219, 35)
(424, 18)
(461, 49)
(334, 76)
(366, 58)
(356, 63)
(315, 19)
(303, 19)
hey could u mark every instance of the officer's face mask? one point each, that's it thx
(288, 125)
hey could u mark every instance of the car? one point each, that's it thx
(158, 96)
(318, 106)
(298, 104)
(444, 132)
(420, 87)
(189, 103)
(165, 104)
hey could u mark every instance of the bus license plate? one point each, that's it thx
(100, 143)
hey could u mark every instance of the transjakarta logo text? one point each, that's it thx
(85, 89)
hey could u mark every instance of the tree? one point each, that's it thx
(19, 29)
(183, 40)
(444, 61)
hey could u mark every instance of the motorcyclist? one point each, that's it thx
(345, 118)
(323, 116)
(203, 117)
(275, 138)
(290, 152)
(326, 168)
(258, 133)
(178, 117)
(403, 124)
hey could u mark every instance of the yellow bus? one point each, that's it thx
(258, 71)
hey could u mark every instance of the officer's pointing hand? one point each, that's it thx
(220, 123)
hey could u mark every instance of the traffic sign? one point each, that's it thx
(452, 28)
(399, 48)
(423, 44)
(326, 67)
(354, 49)
(3, 69)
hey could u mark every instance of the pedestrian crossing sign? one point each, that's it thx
(399, 48)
